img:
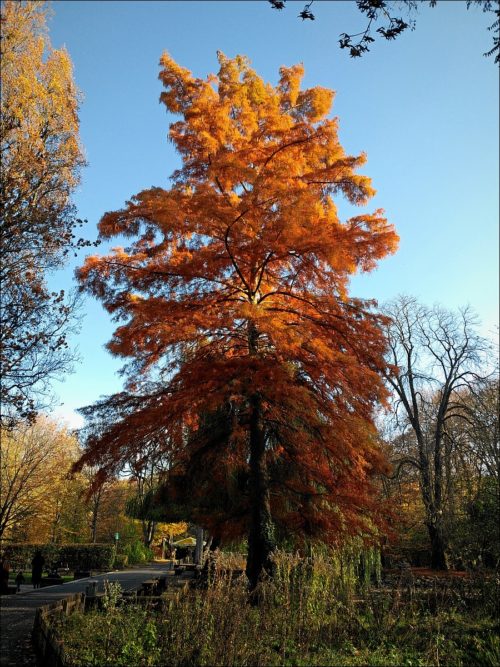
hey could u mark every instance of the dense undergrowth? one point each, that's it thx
(314, 612)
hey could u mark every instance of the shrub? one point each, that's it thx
(74, 556)
(88, 556)
(137, 552)
(20, 556)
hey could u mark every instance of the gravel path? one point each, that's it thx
(17, 612)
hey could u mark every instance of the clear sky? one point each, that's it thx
(424, 108)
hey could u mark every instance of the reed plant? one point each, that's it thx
(316, 610)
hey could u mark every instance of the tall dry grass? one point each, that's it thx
(315, 611)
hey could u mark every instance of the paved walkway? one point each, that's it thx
(17, 612)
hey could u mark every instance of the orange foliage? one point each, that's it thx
(236, 285)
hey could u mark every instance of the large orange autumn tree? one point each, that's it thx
(233, 300)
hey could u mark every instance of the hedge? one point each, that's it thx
(74, 556)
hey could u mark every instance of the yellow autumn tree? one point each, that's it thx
(41, 157)
(35, 461)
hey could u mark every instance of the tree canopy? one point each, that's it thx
(41, 157)
(234, 294)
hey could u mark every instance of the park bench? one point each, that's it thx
(162, 583)
(190, 567)
(149, 586)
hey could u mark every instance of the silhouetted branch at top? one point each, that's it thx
(379, 12)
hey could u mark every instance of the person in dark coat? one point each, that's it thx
(37, 568)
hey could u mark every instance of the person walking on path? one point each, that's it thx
(37, 568)
(19, 581)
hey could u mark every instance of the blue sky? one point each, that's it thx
(424, 108)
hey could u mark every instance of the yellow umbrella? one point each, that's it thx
(186, 542)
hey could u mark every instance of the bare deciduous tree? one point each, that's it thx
(96, 492)
(474, 427)
(439, 354)
(145, 470)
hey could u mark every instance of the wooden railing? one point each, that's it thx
(49, 649)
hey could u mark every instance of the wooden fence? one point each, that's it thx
(49, 649)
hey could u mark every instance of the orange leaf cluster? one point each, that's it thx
(235, 284)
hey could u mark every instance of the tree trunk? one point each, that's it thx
(208, 548)
(148, 532)
(94, 527)
(261, 542)
(432, 497)
(436, 533)
(96, 505)
(198, 554)
(213, 543)
(439, 559)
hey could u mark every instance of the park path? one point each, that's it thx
(17, 612)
